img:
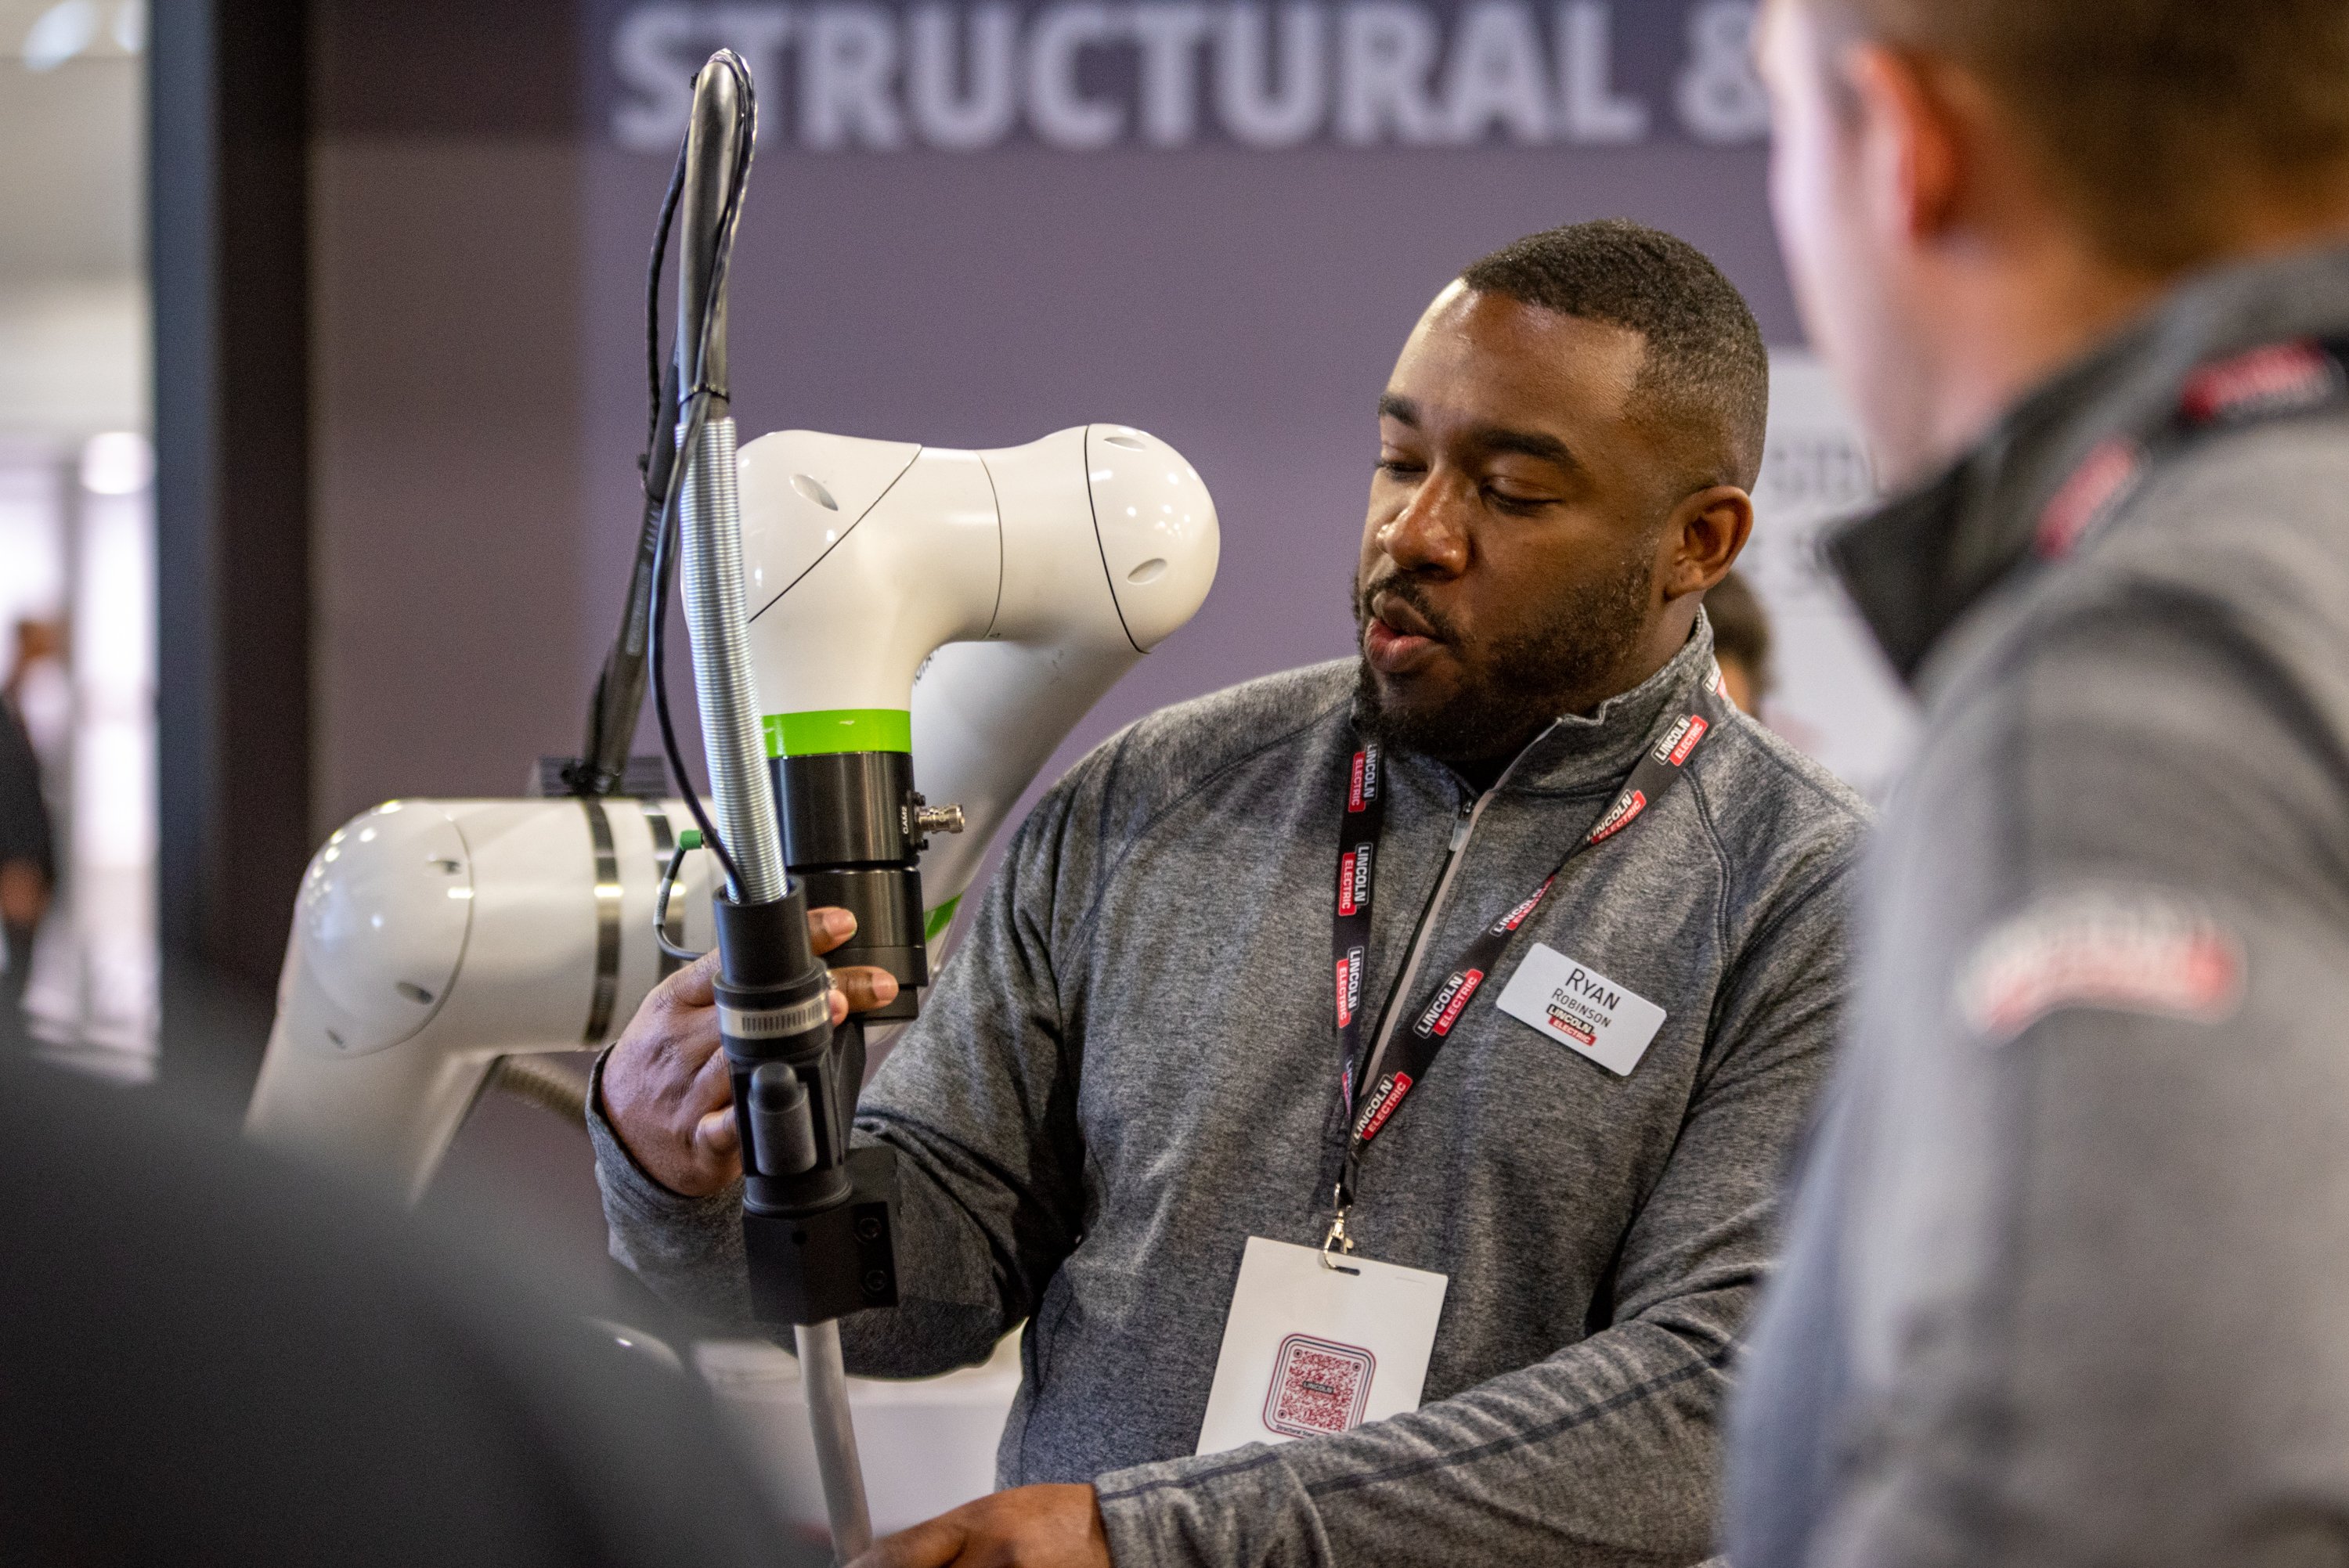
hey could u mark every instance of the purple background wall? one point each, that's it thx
(1244, 304)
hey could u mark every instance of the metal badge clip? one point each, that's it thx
(1338, 1240)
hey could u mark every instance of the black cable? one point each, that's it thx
(652, 317)
(618, 699)
(664, 570)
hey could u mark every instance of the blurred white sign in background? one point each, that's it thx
(1836, 698)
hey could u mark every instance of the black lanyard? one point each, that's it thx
(2297, 376)
(1412, 1049)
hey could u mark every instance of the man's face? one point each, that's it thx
(1509, 560)
(1852, 272)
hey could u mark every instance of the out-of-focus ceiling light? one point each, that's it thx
(119, 462)
(129, 27)
(60, 33)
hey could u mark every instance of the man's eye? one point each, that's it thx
(1398, 468)
(1508, 500)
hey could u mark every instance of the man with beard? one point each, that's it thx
(1578, 1015)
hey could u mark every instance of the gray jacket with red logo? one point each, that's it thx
(1128, 1068)
(2067, 1277)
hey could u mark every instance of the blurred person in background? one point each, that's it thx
(40, 689)
(1741, 641)
(28, 867)
(2065, 1275)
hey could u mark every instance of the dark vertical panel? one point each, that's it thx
(228, 118)
(180, 225)
(447, 525)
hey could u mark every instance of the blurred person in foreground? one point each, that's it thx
(28, 868)
(1741, 641)
(2065, 1275)
(209, 1354)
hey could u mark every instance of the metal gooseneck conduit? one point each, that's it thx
(711, 532)
(717, 160)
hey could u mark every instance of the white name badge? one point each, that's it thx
(1310, 1350)
(1581, 1009)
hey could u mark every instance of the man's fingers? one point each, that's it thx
(829, 927)
(931, 1544)
(865, 988)
(694, 985)
(713, 1084)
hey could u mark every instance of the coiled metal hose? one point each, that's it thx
(711, 516)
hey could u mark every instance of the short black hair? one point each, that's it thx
(1706, 371)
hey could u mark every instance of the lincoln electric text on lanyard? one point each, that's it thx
(1372, 1092)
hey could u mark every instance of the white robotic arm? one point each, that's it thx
(970, 606)
(980, 602)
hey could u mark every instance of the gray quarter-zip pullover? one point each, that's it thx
(2067, 1280)
(1130, 1066)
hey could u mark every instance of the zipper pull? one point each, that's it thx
(1459, 824)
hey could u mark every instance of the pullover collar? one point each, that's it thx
(1579, 753)
(1917, 563)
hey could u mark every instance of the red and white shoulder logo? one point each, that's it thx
(2279, 376)
(2087, 496)
(2134, 949)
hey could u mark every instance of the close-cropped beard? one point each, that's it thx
(1519, 683)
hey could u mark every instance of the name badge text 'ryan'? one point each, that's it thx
(1583, 1010)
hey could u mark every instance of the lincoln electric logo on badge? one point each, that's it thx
(1573, 1003)
(1581, 1006)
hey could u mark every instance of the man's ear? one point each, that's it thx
(1912, 154)
(1702, 538)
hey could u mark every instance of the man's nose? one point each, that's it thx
(1430, 534)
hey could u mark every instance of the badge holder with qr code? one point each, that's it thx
(1315, 1347)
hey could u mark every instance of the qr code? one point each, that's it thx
(1318, 1387)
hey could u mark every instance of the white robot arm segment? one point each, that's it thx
(993, 597)
(431, 937)
(975, 604)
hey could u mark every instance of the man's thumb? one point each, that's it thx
(716, 1136)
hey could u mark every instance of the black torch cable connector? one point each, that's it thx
(818, 1227)
(774, 1016)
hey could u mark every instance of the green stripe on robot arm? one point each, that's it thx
(935, 924)
(839, 729)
